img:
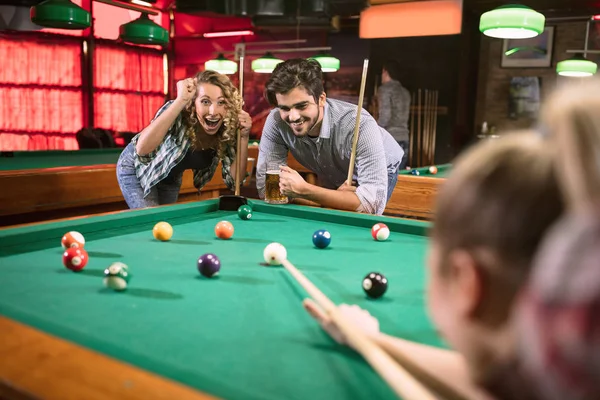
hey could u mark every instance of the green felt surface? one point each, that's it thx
(241, 335)
(55, 158)
(443, 171)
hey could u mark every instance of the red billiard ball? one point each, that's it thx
(75, 258)
(72, 239)
(380, 232)
(224, 230)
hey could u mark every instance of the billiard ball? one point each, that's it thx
(321, 238)
(224, 230)
(380, 232)
(245, 212)
(415, 172)
(374, 285)
(433, 170)
(72, 239)
(209, 265)
(162, 231)
(116, 276)
(75, 258)
(275, 254)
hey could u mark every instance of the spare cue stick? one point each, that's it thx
(238, 171)
(426, 127)
(430, 128)
(402, 382)
(361, 95)
(437, 94)
(412, 129)
(419, 112)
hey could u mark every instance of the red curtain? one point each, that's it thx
(128, 86)
(41, 91)
(40, 94)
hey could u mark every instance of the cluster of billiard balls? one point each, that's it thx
(374, 284)
(75, 258)
(322, 237)
(432, 170)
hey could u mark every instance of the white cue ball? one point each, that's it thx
(274, 254)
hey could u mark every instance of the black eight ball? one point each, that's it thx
(374, 285)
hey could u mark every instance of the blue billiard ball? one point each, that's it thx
(414, 172)
(321, 238)
(209, 265)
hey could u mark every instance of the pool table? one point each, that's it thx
(174, 334)
(55, 181)
(42, 181)
(414, 195)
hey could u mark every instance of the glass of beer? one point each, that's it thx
(272, 193)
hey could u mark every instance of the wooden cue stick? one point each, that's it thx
(437, 93)
(426, 126)
(238, 171)
(429, 127)
(419, 111)
(432, 142)
(361, 95)
(402, 382)
(412, 129)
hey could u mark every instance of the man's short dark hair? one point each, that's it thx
(393, 69)
(290, 74)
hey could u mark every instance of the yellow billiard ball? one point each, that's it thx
(162, 231)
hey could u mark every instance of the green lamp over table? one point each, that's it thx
(577, 66)
(328, 62)
(265, 64)
(143, 31)
(61, 14)
(222, 65)
(512, 22)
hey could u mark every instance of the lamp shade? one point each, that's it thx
(411, 19)
(512, 22)
(328, 62)
(266, 64)
(61, 14)
(578, 66)
(221, 65)
(143, 31)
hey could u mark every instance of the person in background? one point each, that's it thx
(393, 101)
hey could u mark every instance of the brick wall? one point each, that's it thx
(494, 81)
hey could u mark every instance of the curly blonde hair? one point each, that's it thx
(233, 104)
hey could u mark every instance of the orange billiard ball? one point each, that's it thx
(224, 230)
(72, 239)
(433, 170)
(162, 231)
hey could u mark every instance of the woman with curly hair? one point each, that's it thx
(195, 131)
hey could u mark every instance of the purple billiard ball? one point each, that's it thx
(209, 265)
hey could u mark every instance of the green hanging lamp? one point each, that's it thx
(328, 62)
(577, 66)
(512, 22)
(61, 14)
(143, 31)
(266, 64)
(221, 65)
